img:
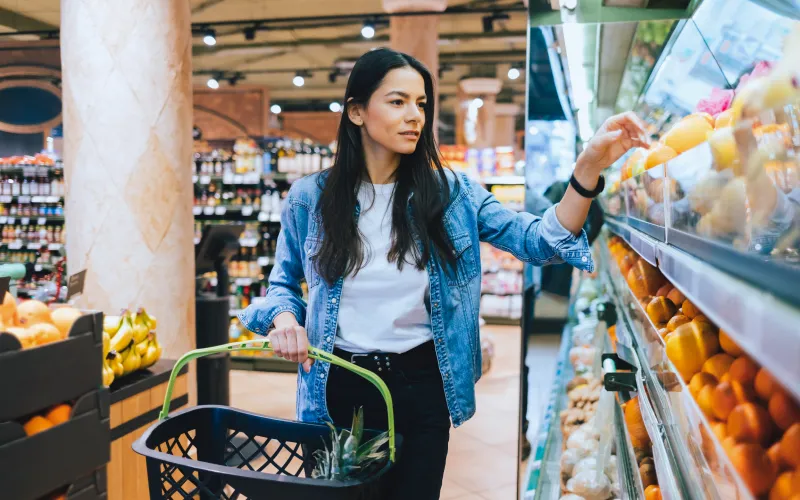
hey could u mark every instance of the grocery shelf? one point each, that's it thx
(26, 199)
(501, 320)
(765, 326)
(40, 219)
(20, 245)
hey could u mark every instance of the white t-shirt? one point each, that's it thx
(381, 308)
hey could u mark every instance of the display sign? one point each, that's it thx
(75, 284)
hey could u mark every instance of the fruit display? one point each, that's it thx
(752, 415)
(34, 323)
(129, 344)
(56, 415)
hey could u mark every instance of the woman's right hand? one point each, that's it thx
(291, 343)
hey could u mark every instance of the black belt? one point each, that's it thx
(420, 357)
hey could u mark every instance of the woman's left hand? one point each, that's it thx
(613, 139)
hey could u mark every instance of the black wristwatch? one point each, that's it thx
(601, 184)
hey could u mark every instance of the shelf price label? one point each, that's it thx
(11, 220)
(42, 221)
(15, 245)
(263, 261)
(75, 284)
(54, 246)
(247, 211)
(194, 179)
(37, 199)
(197, 210)
(53, 199)
(205, 179)
(263, 216)
(220, 211)
(38, 268)
(24, 199)
(6, 199)
(25, 221)
(208, 211)
(3, 220)
(34, 246)
(238, 179)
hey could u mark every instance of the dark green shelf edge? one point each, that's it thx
(256, 364)
(142, 380)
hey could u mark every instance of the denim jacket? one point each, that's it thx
(473, 215)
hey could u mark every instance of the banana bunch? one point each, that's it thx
(132, 342)
(108, 373)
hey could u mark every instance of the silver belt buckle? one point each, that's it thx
(354, 356)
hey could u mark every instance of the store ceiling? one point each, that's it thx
(301, 45)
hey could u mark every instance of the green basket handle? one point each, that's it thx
(264, 345)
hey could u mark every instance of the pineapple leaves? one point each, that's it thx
(348, 458)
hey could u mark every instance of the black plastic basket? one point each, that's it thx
(217, 452)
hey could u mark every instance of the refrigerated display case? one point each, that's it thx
(701, 256)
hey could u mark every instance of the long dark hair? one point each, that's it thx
(420, 173)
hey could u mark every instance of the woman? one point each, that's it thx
(388, 242)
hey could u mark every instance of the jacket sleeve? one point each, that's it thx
(537, 240)
(284, 292)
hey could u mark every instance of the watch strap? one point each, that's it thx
(601, 184)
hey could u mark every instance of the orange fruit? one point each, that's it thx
(754, 467)
(59, 414)
(725, 378)
(718, 364)
(32, 312)
(750, 423)
(704, 400)
(786, 486)
(626, 263)
(36, 425)
(644, 279)
(676, 296)
(765, 385)
(660, 310)
(690, 346)
(720, 430)
(774, 453)
(729, 345)
(676, 321)
(635, 424)
(723, 400)
(690, 310)
(700, 380)
(664, 290)
(783, 410)
(790, 446)
(657, 155)
(653, 492)
(744, 370)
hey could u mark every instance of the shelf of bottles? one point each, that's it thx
(32, 211)
(248, 185)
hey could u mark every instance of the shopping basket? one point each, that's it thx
(217, 452)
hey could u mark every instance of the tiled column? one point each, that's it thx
(417, 36)
(127, 97)
(477, 124)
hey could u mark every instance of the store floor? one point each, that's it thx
(481, 464)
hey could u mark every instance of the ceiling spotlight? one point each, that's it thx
(276, 109)
(298, 81)
(234, 79)
(250, 33)
(513, 73)
(212, 83)
(478, 103)
(210, 37)
(368, 30)
(335, 107)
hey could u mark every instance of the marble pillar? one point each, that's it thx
(417, 36)
(127, 98)
(476, 117)
(505, 124)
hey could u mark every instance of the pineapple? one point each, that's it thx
(348, 458)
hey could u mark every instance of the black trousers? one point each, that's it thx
(421, 417)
